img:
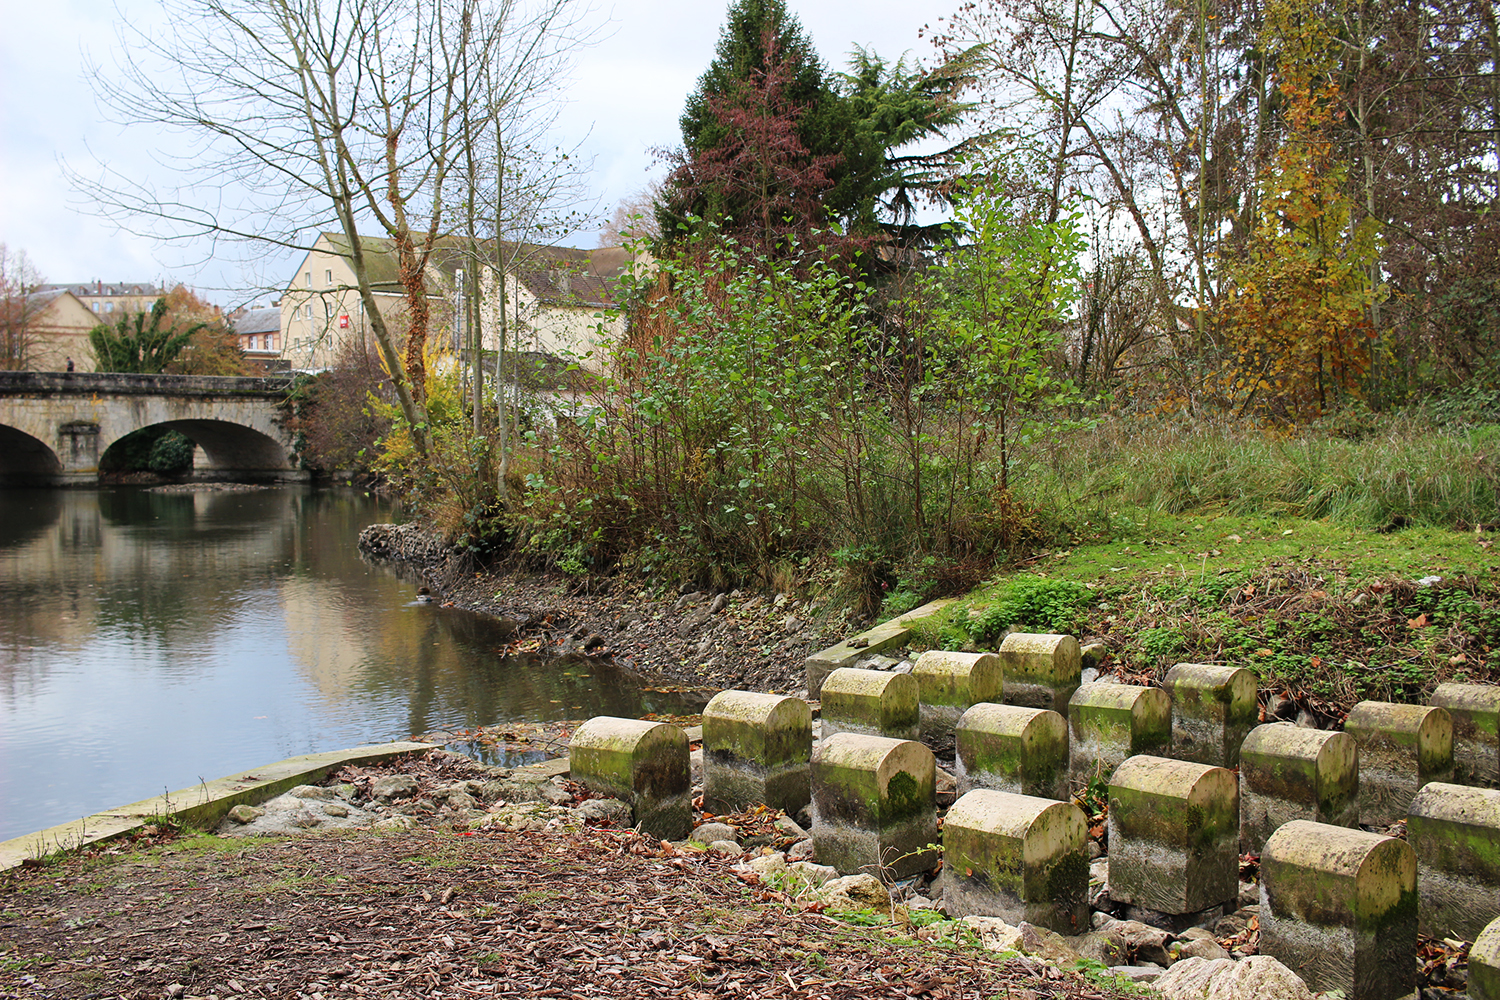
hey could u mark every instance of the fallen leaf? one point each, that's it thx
(1418, 622)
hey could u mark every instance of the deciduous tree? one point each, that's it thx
(325, 114)
(19, 279)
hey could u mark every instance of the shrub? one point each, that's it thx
(172, 453)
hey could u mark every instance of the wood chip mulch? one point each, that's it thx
(436, 914)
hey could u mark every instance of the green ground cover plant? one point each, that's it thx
(1326, 613)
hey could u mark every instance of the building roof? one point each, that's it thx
(263, 320)
(102, 289)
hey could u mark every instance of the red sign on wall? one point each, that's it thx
(344, 321)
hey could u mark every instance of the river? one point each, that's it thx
(149, 640)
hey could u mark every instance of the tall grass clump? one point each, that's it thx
(1404, 470)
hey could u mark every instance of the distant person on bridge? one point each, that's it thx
(70, 364)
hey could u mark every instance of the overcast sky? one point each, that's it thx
(627, 94)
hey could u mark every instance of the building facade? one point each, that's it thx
(558, 301)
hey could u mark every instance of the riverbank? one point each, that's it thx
(737, 639)
(438, 908)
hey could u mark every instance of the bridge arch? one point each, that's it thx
(54, 428)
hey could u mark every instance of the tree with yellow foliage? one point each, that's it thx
(1296, 316)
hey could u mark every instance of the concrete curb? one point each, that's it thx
(210, 800)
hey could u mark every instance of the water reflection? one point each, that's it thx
(149, 639)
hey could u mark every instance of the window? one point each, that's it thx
(96, 307)
(327, 309)
(307, 278)
(328, 278)
(307, 311)
(109, 307)
(268, 342)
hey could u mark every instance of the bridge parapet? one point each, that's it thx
(123, 384)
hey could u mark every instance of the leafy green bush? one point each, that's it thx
(1030, 604)
(170, 454)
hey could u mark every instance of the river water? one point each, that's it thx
(149, 640)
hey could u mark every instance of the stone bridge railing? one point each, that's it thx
(119, 383)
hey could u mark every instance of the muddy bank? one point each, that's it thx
(739, 639)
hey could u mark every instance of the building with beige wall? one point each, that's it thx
(44, 330)
(558, 301)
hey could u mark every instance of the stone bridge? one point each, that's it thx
(55, 427)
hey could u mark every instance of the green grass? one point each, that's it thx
(1326, 611)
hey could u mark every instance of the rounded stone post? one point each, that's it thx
(948, 683)
(1339, 908)
(1475, 710)
(871, 703)
(643, 763)
(1401, 748)
(1012, 749)
(1042, 670)
(1110, 722)
(1287, 773)
(1213, 708)
(874, 805)
(1484, 964)
(1174, 834)
(1455, 830)
(756, 748)
(1017, 857)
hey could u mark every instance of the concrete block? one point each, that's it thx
(1339, 908)
(1041, 670)
(871, 703)
(756, 748)
(948, 683)
(874, 805)
(1009, 748)
(1401, 748)
(643, 763)
(1174, 834)
(1455, 830)
(1287, 773)
(1475, 711)
(1017, 857)
(1110, 722)
(886, 635)
(1484, 964)
(1213, 709)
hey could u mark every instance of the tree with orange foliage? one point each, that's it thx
(213, 349)
(1297, 312)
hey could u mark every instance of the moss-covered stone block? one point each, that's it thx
(645, 764)
(1213, 709)
(1042, 670)
(1287, 773)
(871, 703)
(1010, 748)
(1174, 834)
(1484, 964)
(1339, 908)
(1401, 748)
(756, 748)
(886, 635)
(874, 805)
(948, 683)
(1455, 830)
(1475, 711)
(1110, 722)
(1017, 857)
